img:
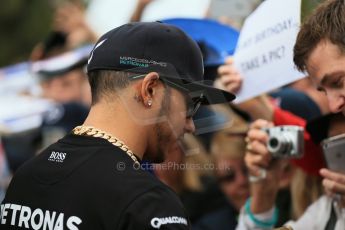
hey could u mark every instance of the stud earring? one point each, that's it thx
(149, 102)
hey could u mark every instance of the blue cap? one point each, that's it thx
(297, 102)
(216, 40)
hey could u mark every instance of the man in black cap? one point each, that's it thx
(146, 86)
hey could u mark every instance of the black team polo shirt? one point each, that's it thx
(84, 182)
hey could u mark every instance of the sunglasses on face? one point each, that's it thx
(231, 175)
(193, 104)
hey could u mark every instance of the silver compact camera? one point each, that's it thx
(285, 141)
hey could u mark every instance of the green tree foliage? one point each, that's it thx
(23, 24)
(308, 6)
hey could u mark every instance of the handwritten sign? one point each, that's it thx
(264, 53)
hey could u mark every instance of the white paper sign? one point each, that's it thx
(104, 15)
(264, 53)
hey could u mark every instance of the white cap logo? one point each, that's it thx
(98, 45)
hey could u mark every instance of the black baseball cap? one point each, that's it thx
(143, 47)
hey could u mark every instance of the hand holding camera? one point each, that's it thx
(257, 155)
(259, 163)
(285, 141)
(265, 142)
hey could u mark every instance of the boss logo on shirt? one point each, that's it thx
(158, 222)
(57, 156)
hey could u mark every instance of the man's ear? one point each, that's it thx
(149, 87)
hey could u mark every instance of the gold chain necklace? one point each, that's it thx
(93, 132)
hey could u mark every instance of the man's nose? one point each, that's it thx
(336, 102)
(189, 126)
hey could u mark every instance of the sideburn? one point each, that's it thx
(162, 129)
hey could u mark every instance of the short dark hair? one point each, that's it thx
(107, 82)
(326, 22)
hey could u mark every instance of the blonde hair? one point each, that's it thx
(229, 142)
(227, 145)
(305, 189)
(196, 155)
